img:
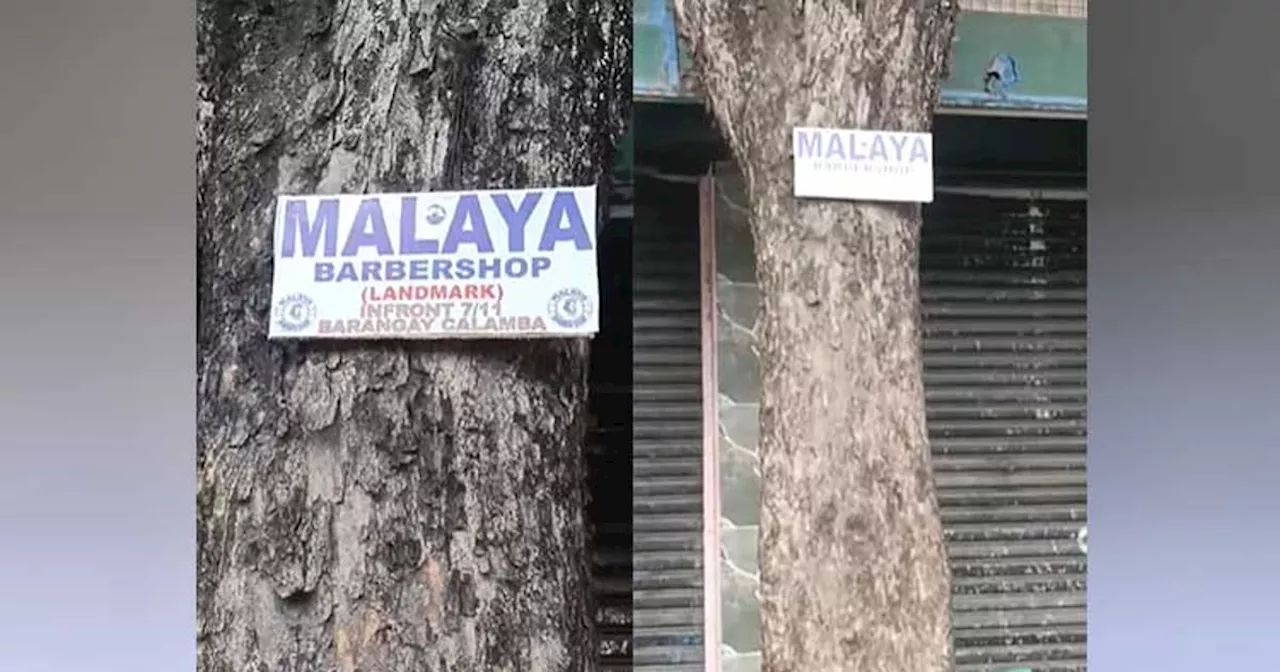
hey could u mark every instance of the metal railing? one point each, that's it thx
(1066, 8)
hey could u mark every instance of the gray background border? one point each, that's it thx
(97, 388)
(1184, 311)
(97, 336)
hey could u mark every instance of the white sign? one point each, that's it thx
(471, 264)
(856, 165)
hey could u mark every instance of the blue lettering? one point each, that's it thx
(490, 268)
(516, 267)
(835, 147)
(878, 150)
(299, 228)
(369, 230)
(396, 270)
(516, 217)
(854, 145)
(409, 241)
(565, 223)
(468, 226)
(808, 144)
(860, 146)
(899, 143)
(919, 150)
(347, 273)
(314, 230)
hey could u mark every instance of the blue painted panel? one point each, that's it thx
(656, 55)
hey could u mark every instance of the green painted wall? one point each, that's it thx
(1051, 54)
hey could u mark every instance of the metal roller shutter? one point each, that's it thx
(667, 431)
(1003, 301)
(609, 455)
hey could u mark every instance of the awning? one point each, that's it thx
(1002, 64)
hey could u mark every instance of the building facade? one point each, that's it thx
(1003, 288)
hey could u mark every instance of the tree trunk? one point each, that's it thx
(853, 568)
(390, 507)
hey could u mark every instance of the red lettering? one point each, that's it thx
(410, 293)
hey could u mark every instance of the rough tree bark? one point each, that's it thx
(390, 507)
(853, 567)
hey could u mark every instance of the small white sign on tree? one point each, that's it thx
(860, 165)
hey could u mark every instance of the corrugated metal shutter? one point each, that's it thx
(609, 455)
(667, 430)
(1003, 294)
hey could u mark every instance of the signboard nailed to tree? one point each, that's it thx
(863, 165)
(462, 265)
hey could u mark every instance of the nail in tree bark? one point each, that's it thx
(390, 507)
(853, 570)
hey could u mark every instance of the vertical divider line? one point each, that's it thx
(710, 428)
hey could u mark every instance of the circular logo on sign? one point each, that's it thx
(435, 214)
(570, 308)
(295, 312)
